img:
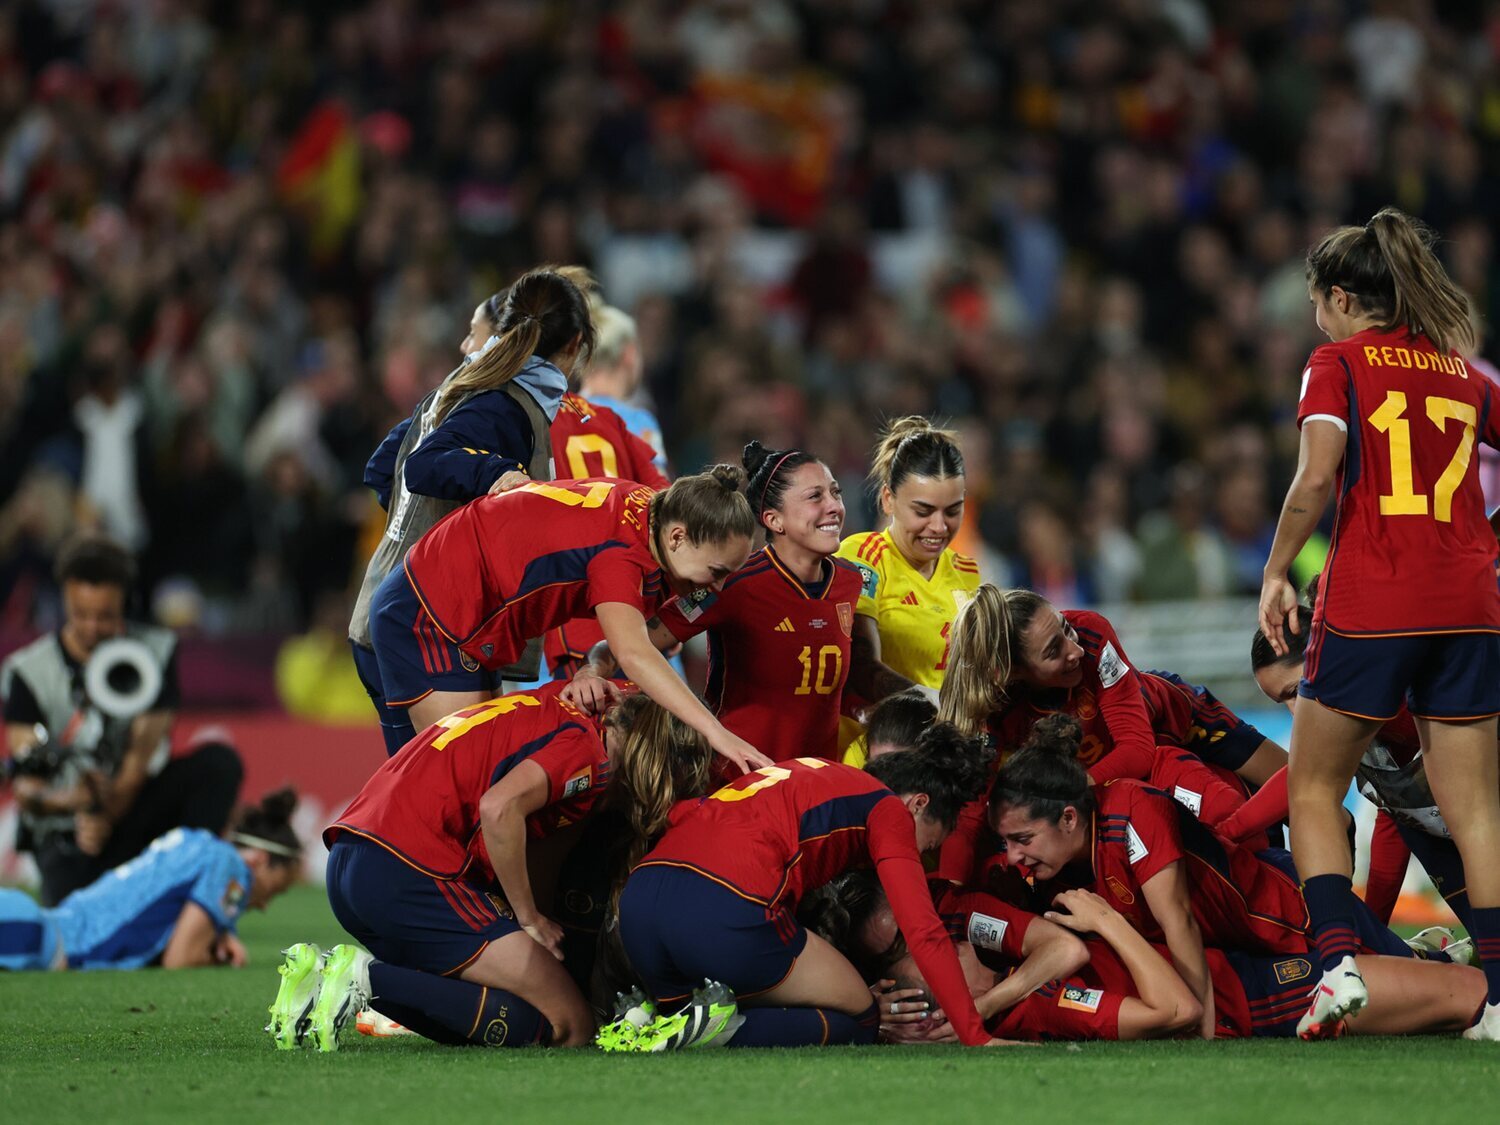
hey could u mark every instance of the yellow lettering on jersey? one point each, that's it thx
(1388, 355)
(1387, 419)
(1372, 355)
(461, 722)
(581, 445)
(1439, 410)
(1419, 360)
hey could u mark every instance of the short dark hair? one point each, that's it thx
(900, 719)
(96, 559)
(950, 768)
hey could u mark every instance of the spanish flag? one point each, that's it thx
(319, 176)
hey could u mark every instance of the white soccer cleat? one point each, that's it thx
(377, 1026)
(1434, 939)
(1339, 995)
(1488, 1027)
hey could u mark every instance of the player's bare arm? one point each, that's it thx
(869, 678)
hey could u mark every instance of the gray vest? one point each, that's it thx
(410, 516)
(1401, 790)
(96, 741)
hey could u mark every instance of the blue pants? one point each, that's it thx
(28, 936)
(1444, 866)
(395, 722)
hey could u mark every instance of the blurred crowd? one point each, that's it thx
(239, 240)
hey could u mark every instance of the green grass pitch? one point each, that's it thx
(188, 1046)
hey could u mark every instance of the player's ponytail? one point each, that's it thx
(769, 472)
(1389, 268)
(949, 767)
(268, 826)
(710, 506)
(542, 314)
(984, 648)
(914, 447)
(1044, 777)
(662, 761)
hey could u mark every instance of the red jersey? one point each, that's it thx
(781, 830)
(1208, 792)
(1412, 550)
(592, 441)
(778, 653)
(508, 567)
(1239, 900)
(423, 804)
(1109, 704)
(995, 928)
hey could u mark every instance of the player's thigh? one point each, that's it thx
(516, 963)
(821, 977)
(1410, 996)
(1463, 772)
(1326, 748)
(437, 704)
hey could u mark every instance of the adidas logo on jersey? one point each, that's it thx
(910, 599)
(785, 626)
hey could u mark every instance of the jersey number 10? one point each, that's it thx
(1403, 499)
(830, 668)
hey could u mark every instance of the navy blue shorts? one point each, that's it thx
(1218, 735)
(1439, 857)
(1452, 676)
(413, 655)
(679, 927)
(408, 918)
(395, 722)
(1374, 935)
(28, 936)
(1277, 990)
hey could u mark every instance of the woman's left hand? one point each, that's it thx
(513, 479)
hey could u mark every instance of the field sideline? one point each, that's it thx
(155, 1046)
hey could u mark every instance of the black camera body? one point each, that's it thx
(42, 759)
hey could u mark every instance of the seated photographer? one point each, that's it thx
(88, 717)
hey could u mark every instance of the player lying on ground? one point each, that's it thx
(716, 898)
(176, 904)
(419, 861)
(1127, 989)
(779, 631)
(1168, 873)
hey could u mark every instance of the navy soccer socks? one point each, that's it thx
(455, 1012)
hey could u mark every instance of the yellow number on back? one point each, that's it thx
(592, 497)
(1404, 500)
(461, 722)
(581, 445)
(769, 776)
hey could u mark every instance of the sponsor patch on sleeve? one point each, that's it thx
(1189, 800)
(986, 932)
(1112, 667)
(1080, 999)
(869, 581)
(692, 605)
(1135, 846)
(578, 783)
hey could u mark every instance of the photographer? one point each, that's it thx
(96, 784)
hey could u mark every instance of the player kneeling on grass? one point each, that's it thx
(716, 900)
(1127, 989)
(174, 905)
(419, 862)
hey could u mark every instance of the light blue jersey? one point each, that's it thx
(124, 919)
(28, 936)
(639, 421)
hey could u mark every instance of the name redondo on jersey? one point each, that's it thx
(1388, 355)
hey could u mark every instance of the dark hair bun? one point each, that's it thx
(754, 457)
(731, 477)
(1058, 735)
(278, 807)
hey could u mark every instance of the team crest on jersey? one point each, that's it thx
(578, 783)
(496, 1032)
(986, 932)
(846, 618)
(1080, 999)
(1189, 800)
(1119, 890)
(1085, 706)
(1112, 667)
(869, 581)
(1135, 847)
(1292, 970)
(468, 662)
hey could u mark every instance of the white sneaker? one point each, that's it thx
(1488, 1026)
(377, 1026)
(1434, 939)
(1340, 994)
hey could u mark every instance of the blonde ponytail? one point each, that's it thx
(662, 761)
(984, 648)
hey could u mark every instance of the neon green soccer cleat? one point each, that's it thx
(632, 1012)
(344, 993)
(710, 1020)
(300, 969)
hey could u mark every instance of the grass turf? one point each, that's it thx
(188, 1046)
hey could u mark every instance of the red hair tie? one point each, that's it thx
(774, 470)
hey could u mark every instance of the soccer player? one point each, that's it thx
(1409, 610)
(175, 905)
(511, 566)
(912, 581)
(1391, 773)
(1158, 864)
(779, 631)
(487, 424)
(716, 897)
(428, 869)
